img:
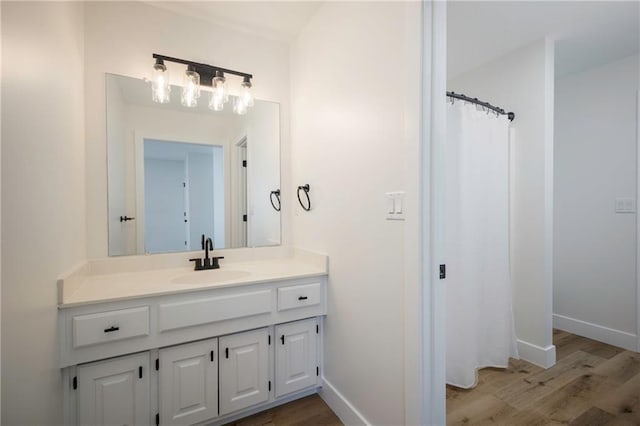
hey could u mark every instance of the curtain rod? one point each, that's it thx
(487, 105)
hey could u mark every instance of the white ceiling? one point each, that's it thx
(275, 20)
(588, 33)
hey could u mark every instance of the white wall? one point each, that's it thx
(522, 82)
(263, 174)
(119, 244)
(348, 141)
(595, 163)
(141, 31)
(43, 197)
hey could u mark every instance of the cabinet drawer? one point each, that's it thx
(195, 312)
(109, 326)
(298, 296)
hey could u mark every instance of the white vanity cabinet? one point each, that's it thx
(297, 365)
(204, 356)
(244, 374)
(114, 392)
(188, 383)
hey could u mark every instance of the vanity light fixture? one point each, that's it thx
(216, 103)
(160, 87)
(198, 74)
(220, 95)
(191, 88)
(239, 106)
(242, 103)
(245, 92)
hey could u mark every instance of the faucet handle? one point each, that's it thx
(214, 262)
(198, 265)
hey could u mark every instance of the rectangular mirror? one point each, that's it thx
(176, 173)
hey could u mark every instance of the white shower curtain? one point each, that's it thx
(480, 330)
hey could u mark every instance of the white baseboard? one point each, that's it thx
(542, 357)
(614, 337)
(340, 405)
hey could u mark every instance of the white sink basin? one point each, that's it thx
(210, 276)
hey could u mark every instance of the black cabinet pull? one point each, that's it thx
(112, 328)
(211, 356)
(140, 372)
(282, 339)
(302, 298)
(226, 353)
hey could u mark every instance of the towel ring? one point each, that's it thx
(306, 189)
(277, 194)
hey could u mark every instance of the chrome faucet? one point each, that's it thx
(209, 262)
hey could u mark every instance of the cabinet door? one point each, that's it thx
(296, 356)
(188, 383)
(114, 392)
(244, 376)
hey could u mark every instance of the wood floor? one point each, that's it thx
(592, 384)
(310, 410)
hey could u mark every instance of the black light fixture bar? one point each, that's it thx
(207, 72)
(487, 105)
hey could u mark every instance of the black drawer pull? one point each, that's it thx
(211, 356)
(112, 328)
(226, 353)
(282, 339)
(302, 298)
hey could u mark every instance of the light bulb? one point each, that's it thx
(216, 102)
(160, 87)
(191, 88)
(219, 85)
(245, 92)
(239, 106)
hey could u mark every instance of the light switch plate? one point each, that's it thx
(625, 205)
(395, 205)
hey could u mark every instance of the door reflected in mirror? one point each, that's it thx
(182, 172)
(183, 191)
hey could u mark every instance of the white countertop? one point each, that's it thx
(83, 288)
